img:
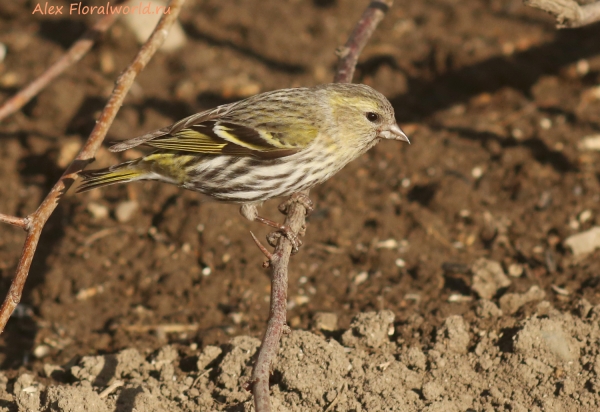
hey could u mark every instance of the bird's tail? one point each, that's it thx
(122, 173)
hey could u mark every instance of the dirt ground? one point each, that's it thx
(436, 276)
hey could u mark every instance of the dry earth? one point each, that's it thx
(454, 256)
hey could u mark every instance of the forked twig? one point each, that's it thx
(568, 13)
(35, 222)
(296, 213)
(75, 53)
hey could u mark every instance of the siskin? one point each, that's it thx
(269, 145)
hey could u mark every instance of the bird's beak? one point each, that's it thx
(394, 133)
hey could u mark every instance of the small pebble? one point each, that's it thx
(41, 351)
(517, 134)
(400, 263)
(97, 210)
(387, 244)
(361, 278)
(236, 317)
(87, 293)
(415, 297)
(538, 250)
(582, 67)
(125, 210)
(574, 224)
(458, 245)
(560, 291)
(585, 216)
(458, 298)
(477, 172)
(325, 321)
(301, 300)
(590, 143)
(515, 270)
(545, 123)
(206, 271)
(584, 242)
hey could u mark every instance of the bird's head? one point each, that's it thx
(362, 108)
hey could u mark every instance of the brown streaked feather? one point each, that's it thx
(174, 128)
(247, 136)
(234, 150)
(202, 138)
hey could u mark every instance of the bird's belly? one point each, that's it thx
(248, 180)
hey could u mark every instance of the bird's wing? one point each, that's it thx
(220, 132)
(174, 128)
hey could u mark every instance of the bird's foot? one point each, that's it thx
(284, 230)
(301, 198)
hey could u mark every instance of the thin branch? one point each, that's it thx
(348, 54)
(262, 248)
(568, 13)
(75, 53)
(21, 222)
(38, 219)
(276, 324)
(296, 209)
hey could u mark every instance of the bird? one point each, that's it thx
(269, 145)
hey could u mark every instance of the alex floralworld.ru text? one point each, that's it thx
(78, 8)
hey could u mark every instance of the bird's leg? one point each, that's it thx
(250, 212)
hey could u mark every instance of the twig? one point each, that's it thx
(21, 222)
(568, 13)
(295, 220)
(111, 389)
(38, 219)
(348, 54)
(162, 328)
(75, 53)
(260, 246)
(340, 391)
(277, 314)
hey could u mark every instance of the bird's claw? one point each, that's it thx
(273, 238)
(297, 198)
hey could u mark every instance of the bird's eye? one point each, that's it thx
(372, 117)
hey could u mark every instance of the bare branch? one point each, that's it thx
(38, 219)
(348, 54)
(296, 209)
(568, 13)
(21, 222)
(262, 248)
(75, 53)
